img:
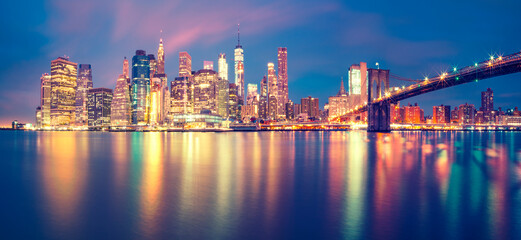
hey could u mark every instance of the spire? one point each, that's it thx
(161, 37)
(342, 91)
(238, 36)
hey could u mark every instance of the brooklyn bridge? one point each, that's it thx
(380, 98)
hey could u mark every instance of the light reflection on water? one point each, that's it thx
(261, 185)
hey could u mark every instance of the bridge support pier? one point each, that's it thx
(379, 117)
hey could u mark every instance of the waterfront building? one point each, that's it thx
(249, 112)
(441, 114)
(99, 102)
(140, 90)
(206, 90)
(339, 104)
(466, 113)
(38, 117)
(223, 97)
(182, 95)
(272, 92)
(310, 106)
(45, 100)
(239, 68)
(397, 113)
(358, 84)
(63, 92)
(83, 84)
(297, 109)
(487, 106)
(263, 99)
(290, 110)
(233, 102)
(120, 108)
(454, 115)
(413, 114)
(282, 80)
(208, 65)
(185, 64)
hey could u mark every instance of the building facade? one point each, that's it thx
(282, 80)
(339, 104)
(140, 90)
(63, 92)
(120, 108)
(84, 83)
(310, 106)
(45, 100)
(99, 102)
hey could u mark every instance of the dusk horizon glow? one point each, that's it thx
(322, 41)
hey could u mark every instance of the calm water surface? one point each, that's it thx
(260, 185)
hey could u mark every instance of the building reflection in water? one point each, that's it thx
(351, 185)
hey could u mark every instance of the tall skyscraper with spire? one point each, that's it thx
(161, 57)
(239, 73)
(282, 65)
(162, 94)
(120, 108)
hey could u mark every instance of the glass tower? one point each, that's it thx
(140, 91)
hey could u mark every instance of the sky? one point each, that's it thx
(413, 39)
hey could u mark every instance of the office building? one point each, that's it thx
(140, 90)
(282, 80)
(84, 83)
(99, 102)
(185, 64)
(441, 114)
(263, 99)
(358, 84)
(206, 91)
(466, 113)
(208, 65)
(45, 100)
(63, 92)
(239, 68)
(339, 104)
(310, 106)
(233, 102)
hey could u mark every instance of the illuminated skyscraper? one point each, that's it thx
(233, 102)
(152, 64)
(239, 70)
(272, 92)
(263, 99)
(161, 58)
(84, 83)
(45, 100)
(140, 91)
(205, 91)
(282, 65)
(339, 104)
(125, 68)
(156, 101)
(223, 66)
(487, 106)
(222, 101)
(99, 102)
(208, 65)
(441, 114)
(253, 94)
(358, 83)
(185, 64)
(181, 95)
(120, 108)
(63, 91)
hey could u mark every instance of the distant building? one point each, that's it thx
(63, 91)
(413, 114)
(223, 66)
(239, 69)
(297, 109)
(290, 110)
(454, 115)
(182, 95)
(233, 102)
(263, 99)
(208, 65)
(84, 83)
(397, 113)
(487, 107)
(120, 108)
(358, 84)
(282, 80)
(273, 93)
(185, 64)
(441, 114)
(99, 102)
(339, 104)
(140, 90)
(45, 100)
(223, 97)
(466, 113)
(310, 106)
(206, 91)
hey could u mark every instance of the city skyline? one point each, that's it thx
(305, 65)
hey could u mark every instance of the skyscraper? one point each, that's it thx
(45, 100)
(273, 92)
(120, 108)
(441, 114)
(99, 102)
(282, 65)
(205, 91)
(253, 94)
(140, 91)
(233, 102)
(161, 58)
(185, 64)
(263, 100)
(239, 71)
(63, 91)
(84, 83)
(181, 97)
(223, 66)
(487, 106)
(339, 104)
(358, 83)
(125, 68)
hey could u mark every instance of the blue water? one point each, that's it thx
(260, 185)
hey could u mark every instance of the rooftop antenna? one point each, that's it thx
(238, 35)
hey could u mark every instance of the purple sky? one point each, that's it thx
(411, 38)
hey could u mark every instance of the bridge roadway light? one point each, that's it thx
(475, 64)
(455, 69)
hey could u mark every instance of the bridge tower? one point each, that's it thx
(378, 113)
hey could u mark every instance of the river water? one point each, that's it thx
(260, 185)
